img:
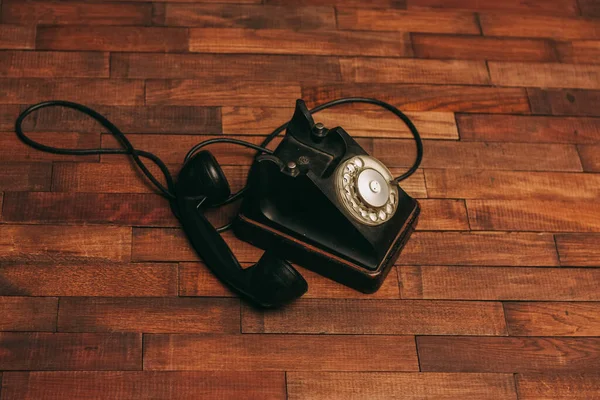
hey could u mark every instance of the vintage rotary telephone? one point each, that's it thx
(318, 200)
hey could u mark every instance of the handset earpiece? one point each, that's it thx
(271, 282)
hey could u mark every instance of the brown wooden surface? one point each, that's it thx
(496, 296)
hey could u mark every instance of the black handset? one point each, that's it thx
(271, 282)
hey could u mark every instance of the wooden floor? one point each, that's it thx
(497, 296)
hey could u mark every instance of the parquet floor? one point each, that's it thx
(497, 296)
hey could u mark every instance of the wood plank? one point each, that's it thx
(146, 385)
(106, 91)
(424, 248)
(8, 116)
(398, 386)
(578, 250)
(279, 352)
(28, 313)
(357, 122)
(244, 67)
(481, 48)
(393, 70)
(535, 7)
(201, 93)
(493, 249)
(149, 315)
(539, 26)
(478, 155)
(372, 19)
(442, 215)
(564, 102)
(96, 208)
(545, 75)
(12, 149)
(579, 52)
(112, 38)
(51, 64)
(377, 317)
(427, 97)
(17, 37)
(590, 157)
(89, 279)
(195, 279)
(589, 8)
(525, 128)
(348, 3)
(503, 283)
(144, 119)
(512, 185)
(558, 386)
(553, 319)
(533, 215)
(504, 354)
(249, 16)
(64, 243)
(280, 41)
(25, 176)
(68, 351)
(75, 13)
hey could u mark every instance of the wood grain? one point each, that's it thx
(512, 185)
(553, 319)
(248, 67)
(441, 215)
(564, 102)
(195, 279)
(534, 215)
(70, 351)
(279, 41)
(427, 97)
(28, 313)
(93, 208)
(17, 37)
(558, 386)
(33, 90)
(13, 150)
(590, 157)
(279, 352)
(532, 7)
(497, 354)
(146, 385)
(589, 8)
(579, 51)
(539, 26)
(75, 13)
(393, 70)
(396, 386)
(25, 176)
(477, 155)
(499, 283)
(249, 16)
(376, 3)
(8, 116)
(534, 129)
(201, 93)
(101, 279)
(406, 21)
(578, 250)
(137, 119)
(149, 315)
(481, 48)
(42, 64)
(545, 75)
(64, 243)
(112, 38)
(357, 122)
(378, 317)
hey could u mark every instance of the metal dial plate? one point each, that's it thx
(365, 187)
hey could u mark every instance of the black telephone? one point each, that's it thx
(318, 199)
